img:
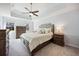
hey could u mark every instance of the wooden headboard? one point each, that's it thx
(20, 30)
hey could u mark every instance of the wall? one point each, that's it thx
(5, 16)
(19, 21)
(16, 21)
(69, 17)
(4, 9)
(2, 23)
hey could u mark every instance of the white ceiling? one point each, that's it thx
(45, 9)
(4, 9)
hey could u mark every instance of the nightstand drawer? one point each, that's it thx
(58, 39)
(59, 36)
(59, 43)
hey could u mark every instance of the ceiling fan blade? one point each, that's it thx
(27, 9)
(34, 14)
(35, 11)
(31, 12)
(25, 12)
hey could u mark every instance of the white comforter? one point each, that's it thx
(35, 39)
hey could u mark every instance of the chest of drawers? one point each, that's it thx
(2, 42)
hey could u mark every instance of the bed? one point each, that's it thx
(35, 39)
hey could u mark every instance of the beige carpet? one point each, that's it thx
(55, 50)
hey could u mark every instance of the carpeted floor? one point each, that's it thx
(55, 50)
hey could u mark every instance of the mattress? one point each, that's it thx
(35, 39)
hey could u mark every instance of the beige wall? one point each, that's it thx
(69, 17)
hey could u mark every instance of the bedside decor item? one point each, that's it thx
(59, 29)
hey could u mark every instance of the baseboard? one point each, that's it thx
(73, 45)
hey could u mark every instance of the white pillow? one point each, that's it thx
(44, 30)
(41, 31)
(47, 30)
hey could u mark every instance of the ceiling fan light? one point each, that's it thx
(30, 14)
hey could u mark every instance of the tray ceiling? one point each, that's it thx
(45, 9)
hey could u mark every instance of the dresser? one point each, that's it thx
(2, 42)
(58, 39)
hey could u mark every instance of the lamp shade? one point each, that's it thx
(59, 29)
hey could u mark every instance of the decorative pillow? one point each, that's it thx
(47, 30)
(41, 30)
(44, 30)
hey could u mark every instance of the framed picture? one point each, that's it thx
(10, 26)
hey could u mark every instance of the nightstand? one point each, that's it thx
(58, 39)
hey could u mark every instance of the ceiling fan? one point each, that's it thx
(32, 12)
